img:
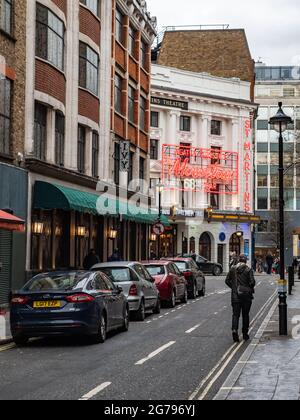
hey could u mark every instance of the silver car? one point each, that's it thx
(137, 285)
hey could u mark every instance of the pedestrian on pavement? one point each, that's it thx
(270, 262)
(153, 256)
(233, 259)
(90, 260)
(240, 280)
(115, 257)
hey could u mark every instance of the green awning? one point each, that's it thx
(51, 196)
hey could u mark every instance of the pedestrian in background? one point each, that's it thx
(241, 281)
(269, 262)
(115, 257)
(90, 260)
(233, 259)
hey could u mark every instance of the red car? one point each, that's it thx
(169, 281)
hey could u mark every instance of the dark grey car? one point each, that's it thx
(137, 285)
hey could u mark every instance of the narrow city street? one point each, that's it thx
(172, 356)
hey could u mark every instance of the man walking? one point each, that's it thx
(270, 262)
(241, 281)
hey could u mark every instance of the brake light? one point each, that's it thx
(188, 274)
(79, 298)
(133, 290)
(19, 300)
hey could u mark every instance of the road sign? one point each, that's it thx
(158, 229)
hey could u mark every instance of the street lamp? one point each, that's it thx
(160, 189)
(280, 124)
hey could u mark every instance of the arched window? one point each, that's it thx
(205, 246)
(192, 245)
(235, 244)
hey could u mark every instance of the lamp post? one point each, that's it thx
(280, 124)
(160, 188)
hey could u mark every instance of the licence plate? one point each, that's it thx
(47, 304)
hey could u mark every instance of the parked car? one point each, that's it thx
(138, 285)
(207, 267)
(194, 277)
(169, 280)
(68, 303)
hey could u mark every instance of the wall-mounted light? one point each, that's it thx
(81, 231)
(37, 228)
(112, 234)
(153, 237)
(239, 234)
(58, 231)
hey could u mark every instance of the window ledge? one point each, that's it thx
(52, 65)
(90, 92)
(8, 35)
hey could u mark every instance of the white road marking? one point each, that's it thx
(193, 329)
(7, 347)
(241, 362)
(155, 353)
(174, 310)
(161, 317)
(95, 391)
(168, 313)
(232, 389)
(216, 313)
(149, 322)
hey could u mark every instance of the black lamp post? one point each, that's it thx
(280, 124)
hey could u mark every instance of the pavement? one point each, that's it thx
(269, 369)
(169, 357)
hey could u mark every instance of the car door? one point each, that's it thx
(97, 289)
(180, 280)
(118, 301)
(153, 289)
(147, 285)
(203, 264)
(106, 294)
(198, 275)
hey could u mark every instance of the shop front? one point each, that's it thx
(67, 223)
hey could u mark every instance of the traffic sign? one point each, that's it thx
(158, 229)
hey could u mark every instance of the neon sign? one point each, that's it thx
(196, 169)
(247, 166)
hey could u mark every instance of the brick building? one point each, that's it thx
(220, 52)
(13, 178)
(87, 98)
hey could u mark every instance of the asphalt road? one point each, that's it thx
(164, 358)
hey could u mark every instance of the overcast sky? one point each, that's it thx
(272, 26)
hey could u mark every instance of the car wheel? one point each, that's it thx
(217, 271)
(20, 341)
(172, 301)
(141, 313)
(100, 337)
(202, 292)
(185, 297)
(125, 327)
(157, 308)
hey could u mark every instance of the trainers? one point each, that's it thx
(235, 337)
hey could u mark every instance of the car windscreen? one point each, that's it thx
(156, 270)
(53, 282)
(118, 274)
(181, 265)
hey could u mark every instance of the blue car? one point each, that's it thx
(67, 304)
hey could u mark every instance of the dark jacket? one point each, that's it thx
(241, 275)
(90, 260)
(269, 260)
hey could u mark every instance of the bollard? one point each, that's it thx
(291, 279)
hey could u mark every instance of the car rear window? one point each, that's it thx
(63, 282)
(118, 275)
(156, 270)
(181, 265)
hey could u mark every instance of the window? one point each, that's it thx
(130, 173)
(154, 119)
(92, 5)
(95, 155)
(185, 123)
(216, 128)
(263, 226)
(59, 139)
(143, 113)
(262, 124)
(119, 26)
(185, 151)
(81, 149)
(262, 147)
(131, 97)
(274, 199)
(142, 168)
(40, 131)
(5, 115)
(144, 61)
(118, 93)
(131, 42)
(289, 198)
(88, 68)
(6, 16)
(262, 158)
(288, 92)
(154, 144)
(117, 163)
(49, 37)
(262, 199)
(262, 180)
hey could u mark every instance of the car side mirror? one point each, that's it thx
(152, 280)
(119, 290)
